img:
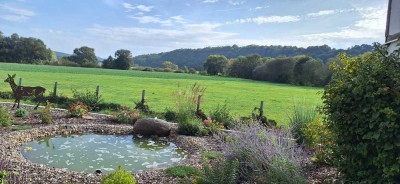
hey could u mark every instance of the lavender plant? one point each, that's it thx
(265, 155)
(12, 177)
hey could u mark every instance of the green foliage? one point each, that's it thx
(7, 95)
(170, 115)
(319, 138)
(78, 109)
(45, 114)
(362, 105)
(300, 115)
(5, 119)
(170, 65)
(123, 59)
(224, 171)
(89, 98)
(119, 177)
(84, 56)
(243, 66)
(183, 171)
(210, 155)
(21, 127)
(127, 116)
(215, 64)
(186, 102)
(142, 107)
(3, 175)
(221, 114)
(192, 127)
(277, 70)
(282, 171)
(21, 112)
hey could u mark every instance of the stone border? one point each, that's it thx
(11, 143)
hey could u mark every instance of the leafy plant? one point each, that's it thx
(142, 107)
(89, 98)
(127, 116)
(170, 115)
(8, 176)
(210, 154)
(45, 114)
(192, 127)
(21, 112)
(362, 105)
(119, 177)
(183, 171)
(301, 115)
(5, 119)
(222, 115)
(186, 102)
(212, 126)
(319, 138)
(78, 109)
(223, 171)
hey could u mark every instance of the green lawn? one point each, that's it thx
(125, 87)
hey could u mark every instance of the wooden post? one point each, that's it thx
(198, 102)
(55, 89)
(20, 82)
(143, 95)
(97, 91)
(261, 109)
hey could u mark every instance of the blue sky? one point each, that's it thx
(152, 26)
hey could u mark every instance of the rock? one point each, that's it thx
(149, 127)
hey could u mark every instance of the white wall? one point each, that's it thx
(394, 25)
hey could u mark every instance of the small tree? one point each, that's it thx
(215, 64)
(83, 55)
(170, 65)
(123, 59)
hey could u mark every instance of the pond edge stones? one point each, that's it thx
(152, 127)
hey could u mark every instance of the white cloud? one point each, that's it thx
(178, 19)
(322, 13)
(130, 7)
(15, 14)
(210, 1)
(370, 26)
(268, 19)
(236, 2)
(152, 19)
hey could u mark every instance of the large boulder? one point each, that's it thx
(150, 127)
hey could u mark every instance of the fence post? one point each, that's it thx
(55, 89)
(198, 103)
(143, 95)
(20, 82)
(261, 109)
(97, 92)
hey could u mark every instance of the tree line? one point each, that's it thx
(298, 70)
(16, 49)
(194, 58)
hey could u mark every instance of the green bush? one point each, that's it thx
(298, 118)
(222, 115)
(127, 116)
(210, 155)
(119, 177)
(186, 102)
(78, 109)
(45, 114)
(21, 112)
(5, 119)
(21, 127)
(192, 127)
(362, 105)
(170, 115)
(282, 171)
(183, 171)
(88, 98)
(223, 171)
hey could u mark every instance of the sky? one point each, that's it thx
(153, 26)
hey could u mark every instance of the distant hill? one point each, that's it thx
(62, 54)
(194, 58)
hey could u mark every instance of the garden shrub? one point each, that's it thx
(264, 153)
(119, 177)
(212, 126)
(362, 105)
(142, 107)
(301, 115)
(21, 112)
(7, 95)
(183, 171)
(192, 127)
(170, 115)
(221, 114)
(223, 171)
(210, 155)
(78, 109)
(186, 102)
(45, 114)
(319, 138)
(127, 116)
(5, 119)
(88, 98)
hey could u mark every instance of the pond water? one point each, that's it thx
(89, 152)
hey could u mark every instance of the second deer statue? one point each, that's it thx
(21, 91)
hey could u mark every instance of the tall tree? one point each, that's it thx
(170, 65)
(108, 63)
(123, 59)
(83, 55)
(215, 64)
(243, 66)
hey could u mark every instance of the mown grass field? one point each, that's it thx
(125, 87)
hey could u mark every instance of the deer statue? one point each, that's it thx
(21, 91)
